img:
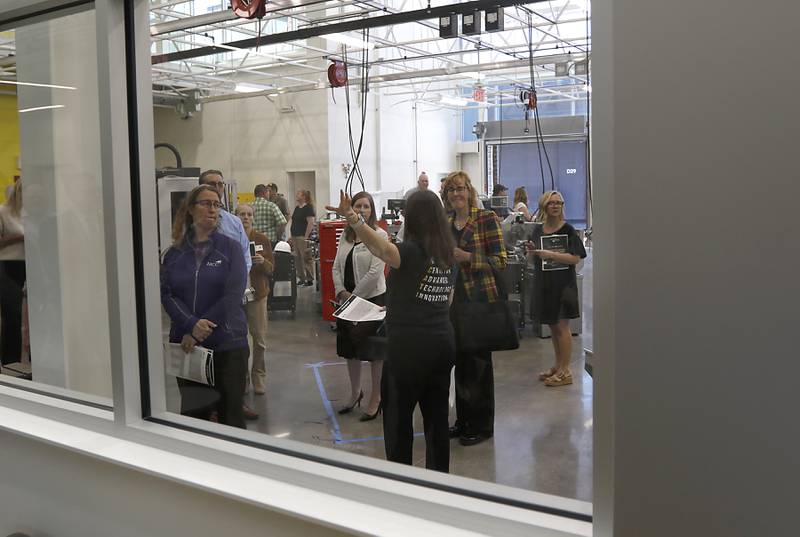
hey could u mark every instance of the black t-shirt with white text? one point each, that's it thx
(418, 292)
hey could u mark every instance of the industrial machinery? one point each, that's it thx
(173, 184)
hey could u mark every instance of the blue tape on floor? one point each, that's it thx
(337, 432)
(368, 439)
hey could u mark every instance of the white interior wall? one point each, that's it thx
(695, 266)
(397, 145)
(470, 160)
(251, 140)
(339, 140)
(47, 491)
(438, 135)
(67, 292)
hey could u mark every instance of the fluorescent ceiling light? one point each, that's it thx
(349, 41)
(51, 107)
(36, 85)
(244, 87)
(453, 101)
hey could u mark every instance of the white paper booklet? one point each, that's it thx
(358, 310)
(197, 365)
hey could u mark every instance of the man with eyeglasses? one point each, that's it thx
(229, 225)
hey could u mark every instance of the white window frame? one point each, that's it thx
(170, 446)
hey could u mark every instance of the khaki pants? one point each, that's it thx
(303, 262)
(257, 324)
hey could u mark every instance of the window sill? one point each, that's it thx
(320, 493)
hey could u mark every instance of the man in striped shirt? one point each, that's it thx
(267, 217)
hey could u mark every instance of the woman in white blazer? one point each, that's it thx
(357, 272)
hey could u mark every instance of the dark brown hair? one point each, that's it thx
(427, 224)
(349, 234)
(183, 220)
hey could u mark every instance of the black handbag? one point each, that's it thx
(376, 347)
(487, 326)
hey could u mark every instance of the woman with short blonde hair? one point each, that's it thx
(556, 248)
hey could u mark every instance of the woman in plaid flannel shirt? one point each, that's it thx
(479, 249)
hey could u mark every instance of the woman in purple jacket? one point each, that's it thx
(203, 277)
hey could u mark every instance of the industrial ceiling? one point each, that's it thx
(203, 52)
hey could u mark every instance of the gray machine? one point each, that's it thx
(173, 184)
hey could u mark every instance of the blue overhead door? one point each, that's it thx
(517, 165)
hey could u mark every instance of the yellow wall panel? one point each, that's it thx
(9, 141)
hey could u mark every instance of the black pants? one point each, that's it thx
(474, 378)
(12, 280)
(226, 397)
(417, 371)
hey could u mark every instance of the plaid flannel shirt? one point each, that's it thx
(483, 238)
(266, 218)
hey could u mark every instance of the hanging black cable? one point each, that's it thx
(530, 105)
(349, 127)
(539, 150)
(544, 147)
(355, 153)
(541, 146)
(348, 187)
(364, 94)
(500, 145)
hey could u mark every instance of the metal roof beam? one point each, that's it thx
(371, 22)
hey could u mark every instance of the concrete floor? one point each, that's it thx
(543, 436)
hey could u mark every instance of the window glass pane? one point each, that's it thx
(54, 298)
(268, 116)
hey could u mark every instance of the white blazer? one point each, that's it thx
(367, 269)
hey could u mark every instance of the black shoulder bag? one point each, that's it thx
(488, 326)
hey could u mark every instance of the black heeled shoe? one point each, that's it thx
(356, 403)
(370, 417)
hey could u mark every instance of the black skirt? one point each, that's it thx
(352, 339)
(555, 298)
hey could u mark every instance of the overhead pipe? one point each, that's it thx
(217, 17)
(348, 26)
(393, 77)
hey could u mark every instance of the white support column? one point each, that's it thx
(65, 240)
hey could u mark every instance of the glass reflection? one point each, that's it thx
(54, 303)
(283, 156)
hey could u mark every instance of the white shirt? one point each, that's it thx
(11, 225)
(367, 268)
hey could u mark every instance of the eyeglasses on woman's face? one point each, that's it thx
(555, 203)
(209, 204)
(457, 189)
